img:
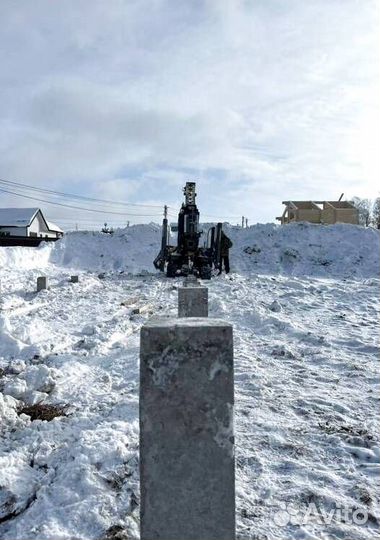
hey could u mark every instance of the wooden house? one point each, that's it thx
(323, 212)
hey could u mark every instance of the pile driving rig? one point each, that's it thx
(187, 257)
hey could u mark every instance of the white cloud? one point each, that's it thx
(262, 101)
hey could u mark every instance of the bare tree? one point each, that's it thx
(376, 213)
(364, 207)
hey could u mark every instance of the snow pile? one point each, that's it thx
(296, 249)
(132, 249)
(18, 257)
(9, 346)
(301, 249)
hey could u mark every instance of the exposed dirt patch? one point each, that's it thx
(40, 411)
(116, 532)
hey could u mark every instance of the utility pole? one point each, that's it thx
(242, 222)
(165, 230)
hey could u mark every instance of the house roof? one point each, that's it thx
(17, 217)
(23, 217)
(53, 227)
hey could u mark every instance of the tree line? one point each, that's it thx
(369, 211)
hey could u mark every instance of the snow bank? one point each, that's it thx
(19, 257)
(302, 249)
(131, 249)
(297, 249)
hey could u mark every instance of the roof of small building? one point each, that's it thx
(17, 217)
(53, 227)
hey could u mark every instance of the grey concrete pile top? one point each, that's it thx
(156, 322)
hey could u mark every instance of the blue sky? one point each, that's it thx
(258, 101)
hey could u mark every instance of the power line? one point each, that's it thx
(22, 187)
(172, 214)
(224, 217)
(73, 196)
(76, 207)
(82, 220)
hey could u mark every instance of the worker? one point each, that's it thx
(225, 245)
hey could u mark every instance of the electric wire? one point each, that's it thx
(26, 187)
(77, 207)
(73, 196)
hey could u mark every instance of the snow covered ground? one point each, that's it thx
(304, 303)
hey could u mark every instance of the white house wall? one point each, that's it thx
(39, 228)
